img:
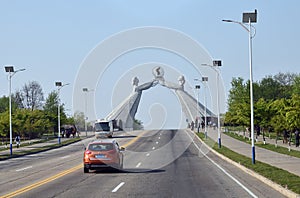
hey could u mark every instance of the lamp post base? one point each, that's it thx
(10, 148)
(253, 155)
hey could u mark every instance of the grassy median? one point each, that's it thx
(277, 175)
(40, 149)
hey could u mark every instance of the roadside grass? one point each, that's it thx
(277, 175)
(27, 143)
(271, 147)
(40, 149)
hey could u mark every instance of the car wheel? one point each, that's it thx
(85, 170)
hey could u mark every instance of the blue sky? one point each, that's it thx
(52, 38)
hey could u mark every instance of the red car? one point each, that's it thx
(104, 153)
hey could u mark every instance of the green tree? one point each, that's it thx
(293, 112)
(296, 85)
(278, 112)
(269, 89)
(51, 111)
(238, 104)
(262, 116)
(4, 124)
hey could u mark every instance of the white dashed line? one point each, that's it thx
(148, 154)
(153, 148)
(138, 165)
(118, 187)
(28, 167)
(159, 138)
(156, 142)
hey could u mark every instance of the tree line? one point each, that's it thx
(276, 103)
(32, 115)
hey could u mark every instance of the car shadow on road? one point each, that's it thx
(127, 171)
(125, 136)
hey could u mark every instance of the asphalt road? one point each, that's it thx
(168, 163)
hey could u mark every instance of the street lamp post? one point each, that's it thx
(197, 87)
(217, 63)
(249, 18)
(205, 79)
(86, 90)
(59, 86)
(11, 73)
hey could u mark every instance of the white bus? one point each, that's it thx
(103, 129)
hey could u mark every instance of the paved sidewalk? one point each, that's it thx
(288, 163)
(272, 141)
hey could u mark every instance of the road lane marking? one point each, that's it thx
(133, 140)
(42, 182)
(61, 174)
(138, 165)
(28, 167)
(159, 138)
(148, 154)
(118, 187)
(64, 157)
(156, 142)
(223, 170)
(153, 148)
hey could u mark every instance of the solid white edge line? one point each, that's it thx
(24, 168)
(223, 170)
(118, 187)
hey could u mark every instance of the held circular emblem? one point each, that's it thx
(158, 72)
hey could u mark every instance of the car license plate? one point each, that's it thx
(100, 156)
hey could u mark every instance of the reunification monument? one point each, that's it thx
(124, 113)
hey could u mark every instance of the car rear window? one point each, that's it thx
(100, 147)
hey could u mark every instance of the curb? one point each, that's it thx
(267, 181)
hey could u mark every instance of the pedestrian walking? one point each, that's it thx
(192, 125)
(18, 139)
